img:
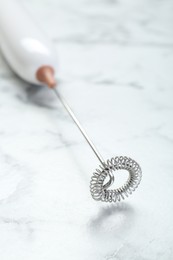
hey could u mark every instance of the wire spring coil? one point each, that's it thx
(100, 191)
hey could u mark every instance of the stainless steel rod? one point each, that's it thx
(76, 121)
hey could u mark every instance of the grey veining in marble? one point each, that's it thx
(115, 69)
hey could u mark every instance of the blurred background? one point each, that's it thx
(114, 66)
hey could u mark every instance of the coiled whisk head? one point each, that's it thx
(100, 191)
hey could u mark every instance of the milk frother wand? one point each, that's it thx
(99, 186)
(31, 55)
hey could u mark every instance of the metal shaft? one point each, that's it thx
(76, 121)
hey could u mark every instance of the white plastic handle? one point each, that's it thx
(24, 46)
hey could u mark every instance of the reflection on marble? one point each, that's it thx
(115, 69)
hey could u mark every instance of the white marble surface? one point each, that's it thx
(115, 68)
